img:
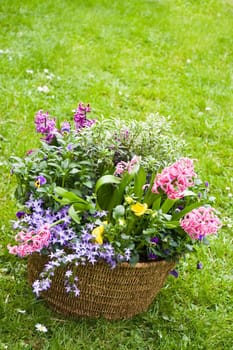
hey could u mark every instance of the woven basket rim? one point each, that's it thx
(125, 265)
(143, 265)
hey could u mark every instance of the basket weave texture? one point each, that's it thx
(114, 294)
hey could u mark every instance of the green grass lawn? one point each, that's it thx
(127, 59)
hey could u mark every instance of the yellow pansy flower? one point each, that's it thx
(98, 233)
(139, 208)
(37, 184)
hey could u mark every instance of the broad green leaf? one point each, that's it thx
(74, 171)
(124, 236)
(119, 192)
(65, 163)
(62, 201)
(172, 224)
(106, 179)
(156, 203)
(69, 195)
(108, 196)
(88, 184)
(55, 165)
(189, 193)
(104, 196)
(149, 196)
(139, 182)
(168, 204)
(186, 210)
(73, 214)
(82, 206)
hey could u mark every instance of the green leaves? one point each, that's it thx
(168, 204)
(73, 214)
(118, 211)
(68, 197)
(139, 182)
(157, 202)
(183, 212)
(104, 190)
(108, 195)
(106, 179)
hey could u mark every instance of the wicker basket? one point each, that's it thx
(114, 294)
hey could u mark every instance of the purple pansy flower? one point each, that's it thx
(40, 181)
(20, 214)
(69, 147)
(154, 240)
(174, 273)
(65, 128)
(152, 256)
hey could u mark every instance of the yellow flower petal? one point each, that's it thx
(98, 234)
(139, 208)
(37, 184)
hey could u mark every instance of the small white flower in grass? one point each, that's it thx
(44, 89)
(29, 71)
(4, 51)
(188, 61)
(46, 71)
(41, 328)
(21, 311)
(230, 195)
(3, 346)
(228, 188)
(208, 109)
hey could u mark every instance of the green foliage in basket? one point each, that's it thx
(108, 190)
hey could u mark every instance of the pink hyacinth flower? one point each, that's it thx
(122, 166)
(31, 241)
(200, 222)
(175, 179)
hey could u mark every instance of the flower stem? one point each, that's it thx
(56, 223)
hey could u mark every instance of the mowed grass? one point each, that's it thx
(127, 59)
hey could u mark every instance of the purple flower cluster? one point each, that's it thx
(45, 125)
(61, 233)
(68, 245)
(81, 250)
(80, 117)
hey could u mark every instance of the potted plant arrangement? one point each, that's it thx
(106, 212)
